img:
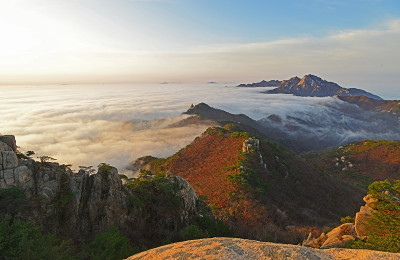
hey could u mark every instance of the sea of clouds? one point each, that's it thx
(116, 124)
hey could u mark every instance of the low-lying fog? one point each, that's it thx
(87, 125)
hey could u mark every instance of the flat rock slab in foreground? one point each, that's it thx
(235, 248)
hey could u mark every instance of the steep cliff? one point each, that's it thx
(79, 205)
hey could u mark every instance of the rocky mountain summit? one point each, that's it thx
(313, 86)
(310, 86)
(79, 205)
(241, 249)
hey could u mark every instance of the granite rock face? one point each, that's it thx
(250, 144)
(235, 248)
(80, 205)
(361, 220)
(10, 141)
(8, 160)
(336, 238)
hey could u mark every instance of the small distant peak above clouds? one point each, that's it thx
(310, 86)
(263, 83)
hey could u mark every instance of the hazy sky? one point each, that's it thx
(355, 43)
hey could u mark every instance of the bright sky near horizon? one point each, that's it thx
(355, 43)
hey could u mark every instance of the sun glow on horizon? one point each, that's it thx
(51, 41)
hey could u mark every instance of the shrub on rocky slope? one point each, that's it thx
(376, 226)
(383, 227)
(81, 205)
(260, 189)
(360, 163)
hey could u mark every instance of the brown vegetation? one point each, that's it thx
(282, 201)
(369, 160)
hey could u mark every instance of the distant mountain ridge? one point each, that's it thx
(221, 117)
(310, 86)
(366, 103)
(263, 83)
(340, 123)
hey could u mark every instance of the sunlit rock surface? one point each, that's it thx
(235, 248)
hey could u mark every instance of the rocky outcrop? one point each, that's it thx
(10, 141)
(337, 237)
(81, 204)
(76, 205)
(8, 160)
(251, 144)
(361, 220)
(188, 196)
(235, 248)
(340, 236)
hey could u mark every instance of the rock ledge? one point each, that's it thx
(236, 248)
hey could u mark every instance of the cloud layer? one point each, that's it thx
(87, 125)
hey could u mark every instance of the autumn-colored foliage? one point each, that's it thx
(371, 160)
(269, 193)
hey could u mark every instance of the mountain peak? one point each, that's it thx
(293, 79)
(310, 78)
(263, 83)
(314, 86)
(198, 109)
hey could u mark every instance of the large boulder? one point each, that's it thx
(10, 141)
(370, 201)
(4, 147)
(314, 242)
(236, 248)
(8, 176)
(8, 160)
(361, 221)
(188, 196)
(250, 144)
(337, 237)
(340, 236)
